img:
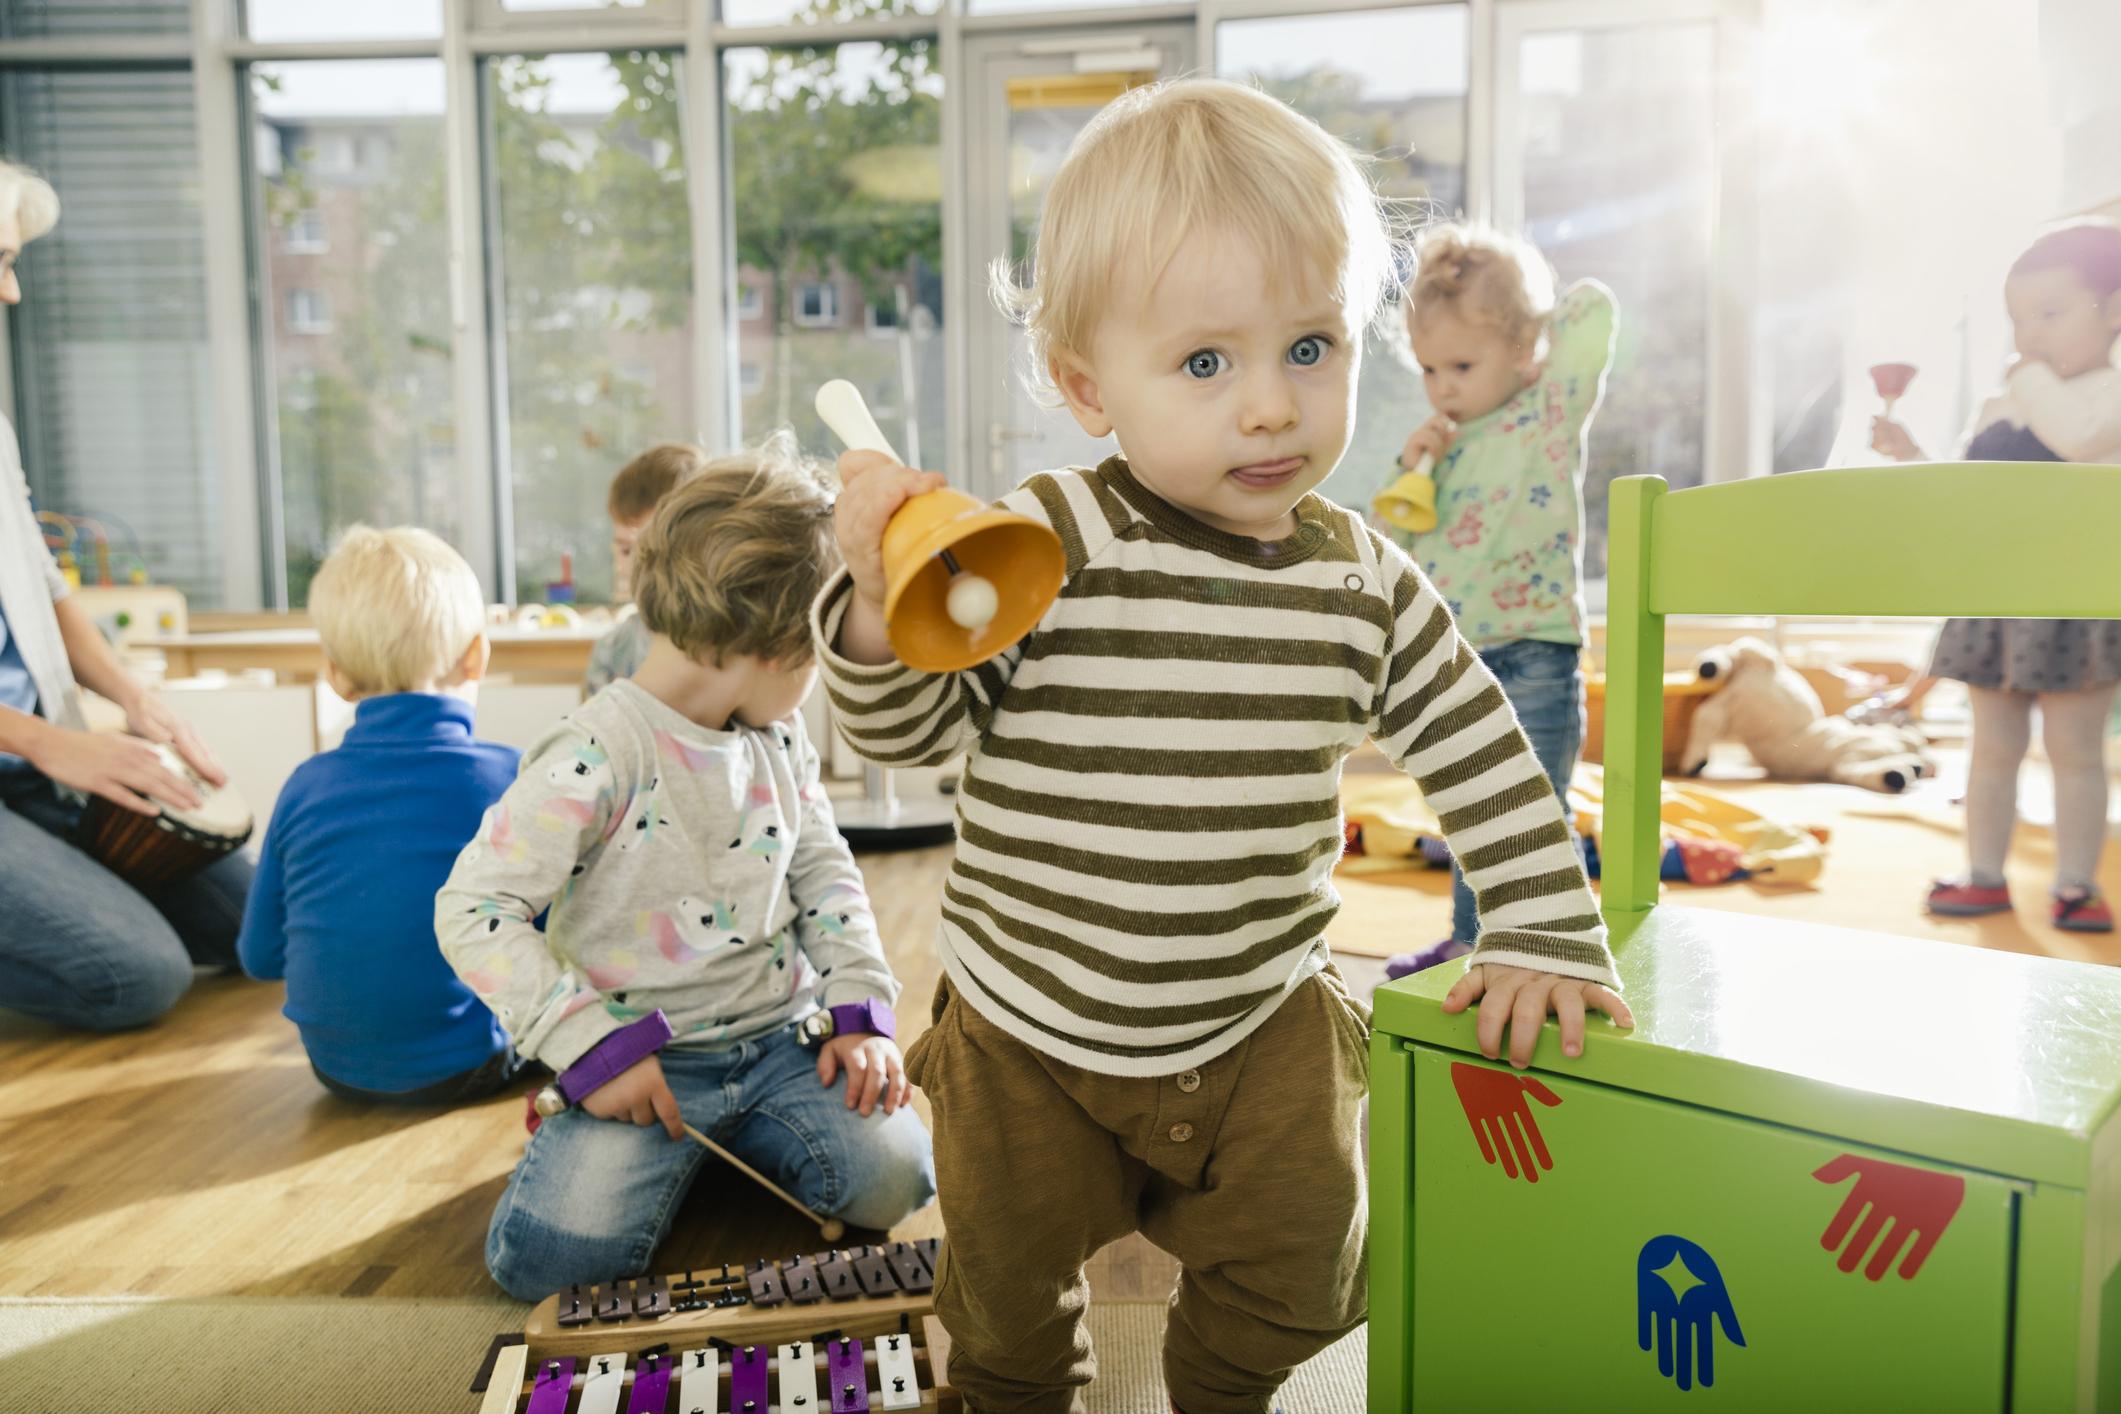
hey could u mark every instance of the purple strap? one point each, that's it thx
(548, 1392)
(612, 1056)
(651, 1385)
(869, 1014)
(747, 1380)
(850, 1378)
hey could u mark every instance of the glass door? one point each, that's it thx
(1030, 93)
(1396, 83)
(1613, 133)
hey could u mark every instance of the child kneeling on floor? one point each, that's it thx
(702, 906)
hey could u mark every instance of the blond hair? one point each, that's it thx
(396, 609)
(643, 482)
(1167, 162)
(1483, 277)
(29, 199)
(736, 554)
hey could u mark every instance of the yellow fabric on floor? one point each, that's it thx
(1393, 815)
(1775, 852)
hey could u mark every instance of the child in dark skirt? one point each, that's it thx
(2060, 401)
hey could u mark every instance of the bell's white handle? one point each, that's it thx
(1426, 465)
(840, 404)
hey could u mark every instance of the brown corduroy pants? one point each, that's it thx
(1248, 1170)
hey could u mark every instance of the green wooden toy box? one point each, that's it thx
(1827, 1171)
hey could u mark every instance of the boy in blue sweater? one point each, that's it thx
(363, 836)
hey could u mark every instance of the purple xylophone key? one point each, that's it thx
(747, 1380)
(849, 1377)
(548, 1393)
(651, 1384)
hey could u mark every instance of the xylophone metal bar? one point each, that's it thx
(796, 1388)
(603, 1384)
(700, 1386)
(859, 1376)
(765, 1303)
(747, 1380)
(847, 1376)
(504, 1384)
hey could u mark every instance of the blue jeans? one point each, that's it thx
(592, 1197)
(79, 945)
(1544, 682)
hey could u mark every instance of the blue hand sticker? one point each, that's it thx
(1677, 1286)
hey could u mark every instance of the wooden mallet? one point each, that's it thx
(831, 1229)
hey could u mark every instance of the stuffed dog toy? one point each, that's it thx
(1767, 705)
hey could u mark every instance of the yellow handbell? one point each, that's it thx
(1410, 501)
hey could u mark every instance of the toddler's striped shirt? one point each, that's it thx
(1149, 813)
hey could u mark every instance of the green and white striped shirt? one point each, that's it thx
(1150, 808)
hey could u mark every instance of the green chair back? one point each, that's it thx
(1966, 539)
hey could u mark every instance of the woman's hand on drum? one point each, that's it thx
(151, 717)
(121, 769)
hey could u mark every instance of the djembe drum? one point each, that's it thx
(148, 851)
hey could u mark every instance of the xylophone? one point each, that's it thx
(844, 1331)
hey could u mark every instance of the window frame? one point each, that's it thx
(1734, 437)
(317, 320)
(875, 328)
(299, 242)
(217, 54)
(828, 315)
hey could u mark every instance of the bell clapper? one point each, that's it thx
(972, 601)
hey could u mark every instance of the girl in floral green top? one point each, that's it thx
(1515, 377)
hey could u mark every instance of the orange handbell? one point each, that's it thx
(962, 580)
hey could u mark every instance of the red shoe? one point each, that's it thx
(2082, 911)
(1963, 898)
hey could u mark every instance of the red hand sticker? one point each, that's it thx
(1503, 1123)
(1919, 1203)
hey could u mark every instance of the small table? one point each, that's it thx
(1826, 1170)
(292, 655)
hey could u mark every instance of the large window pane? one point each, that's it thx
(1392, 84)
(75, 19)
(595, 263)
(836, 183)
(111, 371)
(353, 268)
(1619, 183)
(371, 19)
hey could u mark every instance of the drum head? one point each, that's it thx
(222, 812)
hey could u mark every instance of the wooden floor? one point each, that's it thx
(200, 1157)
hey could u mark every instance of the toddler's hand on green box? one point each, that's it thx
(1521, 998)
